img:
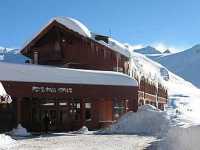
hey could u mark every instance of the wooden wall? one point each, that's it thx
(63, 47)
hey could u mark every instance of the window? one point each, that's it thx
(88, 112)
(75, 110)
(118, 108)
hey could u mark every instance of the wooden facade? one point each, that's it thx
(58, 46)
(94, 106)
(152, 93)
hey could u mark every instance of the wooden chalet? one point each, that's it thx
(73, 76)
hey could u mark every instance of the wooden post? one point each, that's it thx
(19, 110)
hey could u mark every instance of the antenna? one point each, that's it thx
(110, 33)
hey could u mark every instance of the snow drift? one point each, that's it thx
(148, 120)
(6, 141)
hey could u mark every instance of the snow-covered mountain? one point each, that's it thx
(147, 50)
(11, 56)
(185, 64)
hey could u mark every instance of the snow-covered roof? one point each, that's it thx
(80, 28)
(74, 25)
(69, 23)
(117, 47)
(44, 74)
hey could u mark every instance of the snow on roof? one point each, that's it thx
(119, 47)
(116, 46)
(69, 23)
(74, 25)
(35, 73)
(77, 26)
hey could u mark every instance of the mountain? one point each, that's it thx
(147, 50)
(185, 64)
(167, 51)
(11, 56)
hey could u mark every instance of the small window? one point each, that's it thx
(75, 110)
(118, 108)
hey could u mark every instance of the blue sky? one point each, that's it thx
(161, 23)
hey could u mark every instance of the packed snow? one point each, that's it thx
(67, 141)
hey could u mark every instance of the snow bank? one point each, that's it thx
(148, 120)
(6, 141)
(20, 131)
(181, 138)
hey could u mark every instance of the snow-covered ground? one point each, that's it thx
(6, 142)
(68, 141)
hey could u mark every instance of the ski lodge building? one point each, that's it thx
(77, 77)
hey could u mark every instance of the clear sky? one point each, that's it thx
(162, 23)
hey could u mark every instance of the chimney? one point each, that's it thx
(35, 57)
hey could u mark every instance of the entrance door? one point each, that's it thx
(53, 117)
(58, 113)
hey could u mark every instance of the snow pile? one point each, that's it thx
(20, 131)
(5, 141)
(83, 130)
(148, 120)
(181, 138)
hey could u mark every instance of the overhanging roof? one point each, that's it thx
(46, 74)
